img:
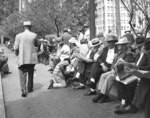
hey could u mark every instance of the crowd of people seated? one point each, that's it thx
(108, 66)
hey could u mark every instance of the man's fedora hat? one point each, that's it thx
(146, 46)
(122, 41)
(112, 38)
(96, 42)
(73, 40)
(27, 23)
(139, 40)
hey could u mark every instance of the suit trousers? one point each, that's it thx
(26, 72)
(106, 81)
(96, 72)
(141, 93)
(147, 106)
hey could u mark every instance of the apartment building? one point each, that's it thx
(106, 16)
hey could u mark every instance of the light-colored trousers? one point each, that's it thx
(106, 81)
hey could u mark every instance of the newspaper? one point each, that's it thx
(122, 74)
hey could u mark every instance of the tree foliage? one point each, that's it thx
(51, 16)
(47, 16)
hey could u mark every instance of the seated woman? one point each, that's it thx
(142, 91)
(85, 63)
(59, 74)
(107, 79)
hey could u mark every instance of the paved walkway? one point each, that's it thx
(56, 103)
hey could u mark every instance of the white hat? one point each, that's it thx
(72, 40)
(122, 40)
(27, 23)
(96, 42)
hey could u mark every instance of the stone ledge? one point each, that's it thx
(2, 104)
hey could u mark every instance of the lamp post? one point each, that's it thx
(92, 18)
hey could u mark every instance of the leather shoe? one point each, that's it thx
(90, 93)
(120, 106)
(79, 87)
(30, 90)
(127, 109)
(24, 93)
(51, 84)
(97, 98)
(104, 99)
(7, 72)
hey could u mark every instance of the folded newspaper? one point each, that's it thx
(122, 74)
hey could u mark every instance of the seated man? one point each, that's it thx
(85, 63)
(3, 63)
(103, 64)
(107, 79)
(125, 93)
(140, 97)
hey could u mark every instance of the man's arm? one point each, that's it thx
(142, 74)
(16, 45)
(36, 43)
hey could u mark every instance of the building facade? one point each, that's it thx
(106, 17)
(22, 4)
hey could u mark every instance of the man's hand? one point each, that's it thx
(105, 68)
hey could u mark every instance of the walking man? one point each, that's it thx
(25, 49)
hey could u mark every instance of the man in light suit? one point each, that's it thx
(24, 47)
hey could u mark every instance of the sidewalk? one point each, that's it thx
(55, 103)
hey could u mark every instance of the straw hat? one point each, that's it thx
(72, 40)
(112, 38)
(96, 42)
(27, 23)
(122, 41)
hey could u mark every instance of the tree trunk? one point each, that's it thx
(57, 27)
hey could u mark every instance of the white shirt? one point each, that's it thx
(84, 49)
(65, 52)
(110, 56)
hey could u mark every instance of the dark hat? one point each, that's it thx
(65, 30)
(84, 40)
(139, 40)
(112, 38)
(146, 46)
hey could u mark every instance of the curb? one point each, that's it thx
(2, 104)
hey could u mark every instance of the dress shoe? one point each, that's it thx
(30, 90)
(90, 93)
(104, 99)
(50, 69)
(51, 84)
(74, 79)
(97, 98)
(24, 93)
(79, 87)
(7, 72)
(120, 106)
(127, 109)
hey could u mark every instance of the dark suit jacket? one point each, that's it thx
(103, 56)
(144, 85)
